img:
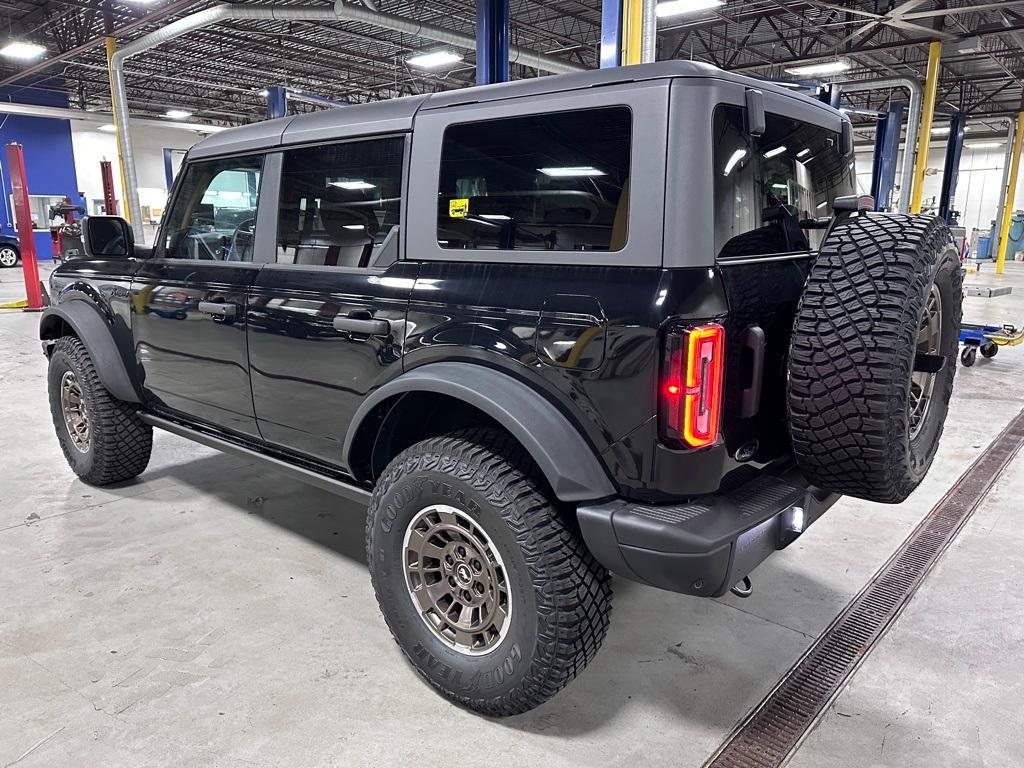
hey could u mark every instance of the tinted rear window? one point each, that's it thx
(767, 187)
(549, 182)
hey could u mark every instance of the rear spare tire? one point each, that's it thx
(881, 310)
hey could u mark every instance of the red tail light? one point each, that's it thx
(691, 386)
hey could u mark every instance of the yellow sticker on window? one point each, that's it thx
(458, 208)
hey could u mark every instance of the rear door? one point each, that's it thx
(189, 299)
(327, 317)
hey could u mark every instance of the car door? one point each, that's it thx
(189, 298)
(326, 319)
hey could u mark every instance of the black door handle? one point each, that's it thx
(218, 308)
(368, 326)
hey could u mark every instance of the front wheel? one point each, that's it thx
(8, 256)
(482, 577)
(103, 438)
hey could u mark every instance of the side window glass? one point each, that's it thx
(770, 189)
(213, 216)
(551, 182)
(339, 203)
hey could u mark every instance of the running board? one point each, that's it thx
(327, 483)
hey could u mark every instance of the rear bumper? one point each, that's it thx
(705, 546)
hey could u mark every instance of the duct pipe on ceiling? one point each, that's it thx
(342, 11)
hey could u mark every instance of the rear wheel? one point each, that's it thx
(481, 576)
(102, 438)
(873, 354)
(8, 256)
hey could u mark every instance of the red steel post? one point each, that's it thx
(26, 235)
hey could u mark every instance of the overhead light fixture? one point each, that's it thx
(946, 128)
(177, 114)
(779, 185)
(495, 217)
(573, 170)
(985, 144)
(19, 49)
(433, 59)
(679, 7)
(803, 152)
(774, 152)
(360, 227)
(821, 205)
(825, 68)
(353, 184)
(108, 128)
(738, 155)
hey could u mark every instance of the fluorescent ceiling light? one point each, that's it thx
(108, 128)
(679, 7)
(495, 217)
(353, 184)
(355, 226)
(826, 68)
(985, 144)
(19, 49)
(738, 155)
(945, 128)
(774, 152)
(177, 114)
(780, 186)
(821, 205)
(574, 170)
(803, 152)
(433, 60)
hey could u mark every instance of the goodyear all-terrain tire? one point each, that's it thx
(880, 310)
(482, 577)
(103, 439)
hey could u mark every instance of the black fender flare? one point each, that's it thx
(555, 444)
(94, 332)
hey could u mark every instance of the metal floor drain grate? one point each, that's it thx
(770, 733)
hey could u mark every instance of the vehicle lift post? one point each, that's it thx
(109, 196)
(492, 41)
(951, 171)
(887, 149)
(26, 236)
(277, 101)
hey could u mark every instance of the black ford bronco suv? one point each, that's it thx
(630, 320)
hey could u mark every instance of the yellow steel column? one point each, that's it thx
(1011, 188)
(924, 137)
(632, 31)
(111, 46)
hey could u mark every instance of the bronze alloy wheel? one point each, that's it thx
(456, 580)
(72, 407)
(929, 342)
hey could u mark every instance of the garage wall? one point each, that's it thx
(92, 145)
(47, 148)
(978, 188)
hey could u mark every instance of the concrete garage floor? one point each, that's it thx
(214, 613)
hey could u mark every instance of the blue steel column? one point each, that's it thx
(491, 41)
(168, 168)
(887, 148)
(611, 33)
(277, 101)
(951, 171)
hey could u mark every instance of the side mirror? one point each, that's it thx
(846, 138)
(107, 237)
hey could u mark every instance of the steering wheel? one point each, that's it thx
(246, 227)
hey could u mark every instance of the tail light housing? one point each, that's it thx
(691, 385)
